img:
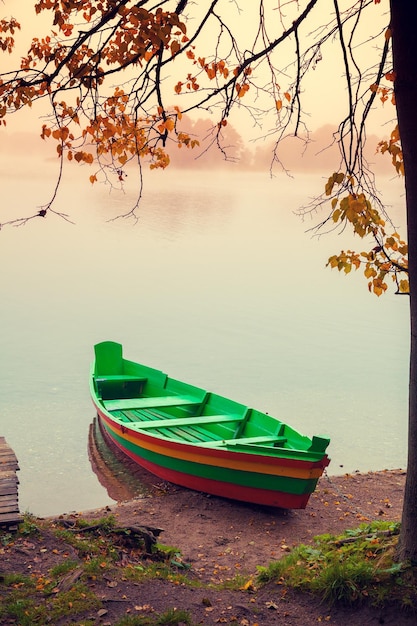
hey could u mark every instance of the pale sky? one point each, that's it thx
(324, 89)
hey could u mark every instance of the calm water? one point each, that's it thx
(219, 285)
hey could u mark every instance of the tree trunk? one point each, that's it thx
(404, 29)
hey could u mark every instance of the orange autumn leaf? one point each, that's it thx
(169, 124)
(46, 132)
(241, 89)
(60, 133)
(175, 47)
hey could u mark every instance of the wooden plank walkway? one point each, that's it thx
(9, 499)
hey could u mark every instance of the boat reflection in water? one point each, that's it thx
(122, 479)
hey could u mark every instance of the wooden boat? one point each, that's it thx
(201, 440)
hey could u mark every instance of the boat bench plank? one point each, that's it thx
(187, 421)
(190, 432)
(143, 403)
(243, 441)
(121, 377)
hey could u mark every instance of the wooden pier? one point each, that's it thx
(9, 499)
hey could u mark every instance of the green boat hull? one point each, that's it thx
(200, 440)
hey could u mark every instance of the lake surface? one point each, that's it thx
(218, 284)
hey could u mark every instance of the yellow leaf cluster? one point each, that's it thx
(386, 259)
(138, 35)
(345, 261)
(393, 147)
(376, 268)
(115, 134)
(335, 179)
(215, 68)
(110, 132)
(185, 140)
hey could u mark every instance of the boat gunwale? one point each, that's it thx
(284, 457)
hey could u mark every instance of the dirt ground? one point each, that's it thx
(220, 538)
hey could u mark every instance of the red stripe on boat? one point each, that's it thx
(253, 495)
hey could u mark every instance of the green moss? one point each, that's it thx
(32, 601)
(172, 617)
(76, 601)
(17, 607)
(349, 568)
(85, 546)
(105, 523)
(63, 568)
(17, 580)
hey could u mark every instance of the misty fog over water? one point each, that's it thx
(218, 284)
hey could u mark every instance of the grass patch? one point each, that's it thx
(350, 568)
(66, 590)
(76, 601)
(91, 538)
(30, 525)
(17, 580)
(85, 546)
(18, 607)
(26, 604)
(63, 568)
(103, 523)
(140, 572)
(172, 617)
